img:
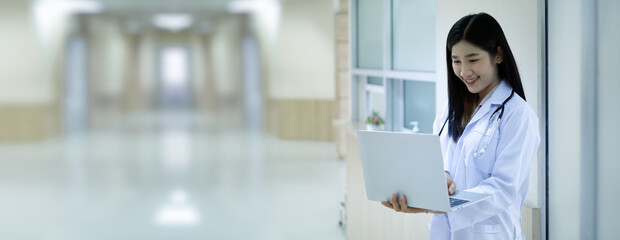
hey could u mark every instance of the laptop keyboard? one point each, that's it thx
(455, 202)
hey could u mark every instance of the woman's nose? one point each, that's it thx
(465, 71)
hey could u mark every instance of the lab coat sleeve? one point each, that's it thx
(517, 146)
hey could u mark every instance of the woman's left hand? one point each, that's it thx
(402, 207)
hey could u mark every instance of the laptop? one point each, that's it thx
(409, 164)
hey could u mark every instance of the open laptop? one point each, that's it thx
(409, 164)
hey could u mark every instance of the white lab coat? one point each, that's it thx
(502, 171)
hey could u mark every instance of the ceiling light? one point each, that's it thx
(83, 6)
(244, 6)
(70, 7)
(173, 22)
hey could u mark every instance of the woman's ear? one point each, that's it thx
(499, 56)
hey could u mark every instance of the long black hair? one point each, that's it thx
(483, 31)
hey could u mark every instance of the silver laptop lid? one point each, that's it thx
(404, 163)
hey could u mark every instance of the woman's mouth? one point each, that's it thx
(472, 81)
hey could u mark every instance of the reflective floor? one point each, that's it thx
(173, 175)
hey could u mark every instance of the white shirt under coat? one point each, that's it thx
(502, 171)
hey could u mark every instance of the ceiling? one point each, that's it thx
(130, 7)
(140, 12)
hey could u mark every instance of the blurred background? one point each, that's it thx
(237, 119)
(169, 119)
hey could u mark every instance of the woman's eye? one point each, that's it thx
(456, 62)
(473, 60)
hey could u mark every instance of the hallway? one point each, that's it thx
(170, 175)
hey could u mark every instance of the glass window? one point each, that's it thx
(359, 98)
(376, 103)
(375, 81)
(370, 34)
(419, 100)
(375, 97)
(413, 35)
(402, 92)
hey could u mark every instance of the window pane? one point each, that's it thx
(413, 35)
(375, 81)
(375, 103)
(359, 99)
(375, 97)
(419, 105)
(370, 34)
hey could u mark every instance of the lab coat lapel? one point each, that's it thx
(498, 96)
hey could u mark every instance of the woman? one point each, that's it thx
(489, 135)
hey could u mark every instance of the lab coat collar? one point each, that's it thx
(498, 96)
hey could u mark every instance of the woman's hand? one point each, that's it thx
(451, 185)
(402, 207)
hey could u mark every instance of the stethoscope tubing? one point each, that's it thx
(501, 107)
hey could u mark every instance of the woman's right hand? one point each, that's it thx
(402, 207)
(451, 184)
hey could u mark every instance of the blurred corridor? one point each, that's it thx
(168, 120)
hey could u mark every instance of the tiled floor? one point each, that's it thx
(174, 175)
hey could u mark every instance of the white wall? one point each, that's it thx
(265, 25)
(30, 50)
(226, 49)
(583, 60)
(147, 59)
(108, 46)
(303, 67)
(608, 115)
(564, 118)
(520, 21)
(199, 68)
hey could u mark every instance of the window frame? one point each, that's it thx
(393, 80)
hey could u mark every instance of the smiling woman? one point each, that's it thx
(476, 68)
(523, 25)
(482, 80)
(488, 60)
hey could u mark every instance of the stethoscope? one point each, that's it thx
(491, 127)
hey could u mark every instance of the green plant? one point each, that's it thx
(374, 119)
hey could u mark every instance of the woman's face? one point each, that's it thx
(475, 67)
